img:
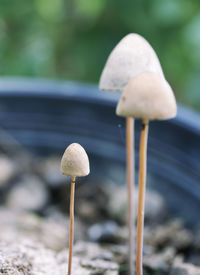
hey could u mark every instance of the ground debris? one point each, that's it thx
(31, 258)
(181, 268)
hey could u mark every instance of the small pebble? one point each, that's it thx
(106, 231)
(7, 170)
(28, 194)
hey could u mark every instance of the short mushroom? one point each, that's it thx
(74, 163)
(147, 96)
(132, 56)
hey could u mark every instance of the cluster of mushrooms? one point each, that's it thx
(132, 68)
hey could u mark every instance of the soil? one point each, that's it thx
(34, 220)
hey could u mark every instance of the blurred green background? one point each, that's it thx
(71, 39)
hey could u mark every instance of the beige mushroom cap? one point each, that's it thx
(147, 96)
(75, 161)
(132, 55)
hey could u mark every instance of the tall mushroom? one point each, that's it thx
(74, 163)
(147, 96)
(132, 55)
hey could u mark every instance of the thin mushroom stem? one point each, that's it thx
(141, 199)
(71, 237)
(131, 188)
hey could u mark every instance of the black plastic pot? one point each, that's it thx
(46, 116)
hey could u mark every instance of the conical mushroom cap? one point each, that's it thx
(132, 55)
(147, 96)
(75, 161)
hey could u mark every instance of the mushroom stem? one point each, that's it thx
(130, 188)
(141, 199)
(71, 237)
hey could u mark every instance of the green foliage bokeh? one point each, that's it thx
(71, 39)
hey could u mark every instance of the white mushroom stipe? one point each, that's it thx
(147, 96)
(75, 161)
(132, 55)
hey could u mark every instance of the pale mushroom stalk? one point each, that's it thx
(147, 96)
(131, 56)
(71, 236)
(141, 198)
(74, 163)
(130, 188)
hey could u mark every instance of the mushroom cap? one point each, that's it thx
(75, 161)
(147, 96)
(132, 55)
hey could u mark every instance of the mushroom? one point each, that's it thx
(147, 96)
(132, 56)
(74, 163)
